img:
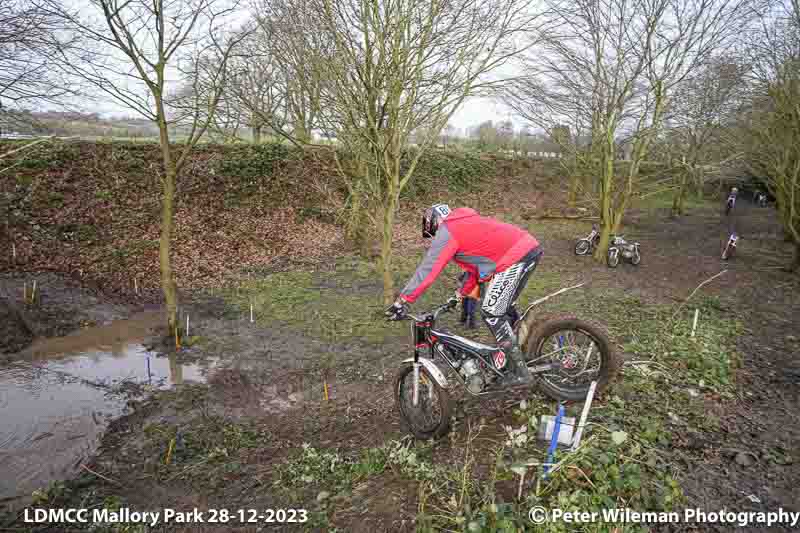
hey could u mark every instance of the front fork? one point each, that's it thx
(415, 395)
(419, 341)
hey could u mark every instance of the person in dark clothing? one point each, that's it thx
(469, 303)
(500, 255)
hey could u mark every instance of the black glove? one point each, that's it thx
(455, 300)
(396, 311)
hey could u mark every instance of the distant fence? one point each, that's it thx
(547, 155)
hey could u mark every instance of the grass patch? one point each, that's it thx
(328, 477)
(345, 304)
(649, 332)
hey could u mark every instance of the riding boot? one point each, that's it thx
(464, 313)
(517, 372)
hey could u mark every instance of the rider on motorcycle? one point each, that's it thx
(729, 203)
(488, 250)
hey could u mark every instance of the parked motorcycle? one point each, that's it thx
(730, 247)
(731, 201)
(588, 243)
(565, 353)
(622, 249)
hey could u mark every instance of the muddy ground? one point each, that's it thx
(284, 381)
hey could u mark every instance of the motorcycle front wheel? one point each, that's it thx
(578, 353)
(430, 418)
(637, 258)
(613, 258)
(582, 247)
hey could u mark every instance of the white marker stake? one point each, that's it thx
(33, 292)
(135, 285)
(694, 324)
(14, 252)
(187, 324)
(584, 415)
(25, 291)
(251, 313)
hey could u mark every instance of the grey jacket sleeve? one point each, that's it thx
(442, 250)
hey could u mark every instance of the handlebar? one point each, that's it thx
(433, 315)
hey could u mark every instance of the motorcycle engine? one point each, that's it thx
(473, 377)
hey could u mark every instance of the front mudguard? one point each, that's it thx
(433, 370)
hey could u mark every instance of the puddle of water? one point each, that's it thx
(55, 404)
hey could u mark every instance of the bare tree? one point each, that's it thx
(613, 64)
(255, 91)
(771, 131)
(398, 66)
(137, 46)
(32, 38)
(703, 105)
(300, 53)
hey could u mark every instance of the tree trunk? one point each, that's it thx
(300, 132)
(795, 265)
(573, 189)
(677, 201)
(167, 282)
(256, 134)
(167, 207)
(386, 248)
(606, 209)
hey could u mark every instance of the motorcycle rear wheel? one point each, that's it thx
(573, 339)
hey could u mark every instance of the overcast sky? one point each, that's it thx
(478, 110)
(474, 111)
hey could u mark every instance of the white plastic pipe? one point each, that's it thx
(694, 324)
(584, 415)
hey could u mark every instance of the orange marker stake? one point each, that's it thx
(325, 385)
(169, 451)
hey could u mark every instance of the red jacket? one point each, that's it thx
(480, 245)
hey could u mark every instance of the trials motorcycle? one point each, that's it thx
(564, 353)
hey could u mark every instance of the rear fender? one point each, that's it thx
(433, 370)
